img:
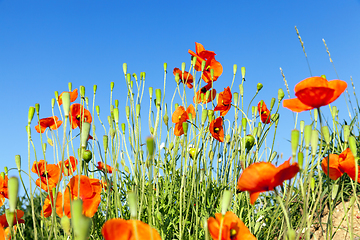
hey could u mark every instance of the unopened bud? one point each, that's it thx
(281, 94)
(243, 70)
(234, 69)
(259, 86)
(150, 92)
(18, 162)
(31, 114)
(125, 68)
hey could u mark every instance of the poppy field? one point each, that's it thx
(202, 166)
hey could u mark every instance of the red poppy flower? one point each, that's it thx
(79, 114)
(73, 96)
(231, 227)
(101, 166)
(187, 78)
(69, 166)
(51, 122)
(340, 164)
(216, 129)
(90, 190)
(264, 112)
(49, 174)
(116, 229)
(201, 94)
(179, 116)
(224, 102)
(210, 63)
(3, 189)
(263, 176)
(47, 207)
(17, 219)
(314, 92)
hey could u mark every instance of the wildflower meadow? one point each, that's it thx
(198, 174)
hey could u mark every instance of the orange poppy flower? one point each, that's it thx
(264, 112)
(340, 164)
(179, 116)
(3, 189)
(224, 102)
(209, 57)
(230, 226)
(69, 166)
(202, 94)
(17, 219)
(263, 176)
(187, 78)
(101, 166)
(79, 114)
(48, 173)
(216, 129)
(314, 92)
(90, 190)
(51, 122)
(47, 207)
(120, 229)
(73, 96)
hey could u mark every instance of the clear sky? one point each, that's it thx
(46, 44)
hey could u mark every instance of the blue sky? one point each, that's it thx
(46, 44)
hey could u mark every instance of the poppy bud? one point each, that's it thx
(307, 135)
(31, 114)
(225, 201)
(150, 92)
(192, 153)
(243, 70)
(127, 112)
(65, 224)
(105, 142)
(143, 74)
(204, 115)
(70, 86)
(236, 98)
(44, 145)
(132, 204)
(52, 102)
(334, 111)
(18, 162)
(82, 91)
(37, 108)
(323, 76)
(125, 68)
(227, 138)
(185, 127)
(346, 133)
(291, 234)
(6, 170)
(211, 115)
(314, 142)
(203, 63)
(152, 131)
(128, 79)
(137, 109)
(281, 94)
(135, 76)
(212, 74)
(116, 115)
(272, 103)
(193, 61)
(273, 155)
(243, 123)
(123, 128)
(166, 119)
(183, 65)
(81, 224)
(315, 114)
(235, 69)
(126, 169)
(87, 101)
(259, 86)
(211, 154)
(158, 97)
(97, 108)
(326, 134)
(112, 132)
(13, 187)
(95, 88)
(352, 145)
(87, 155)
(177, 78)
(302, 125)
(150, 145)
(294, 141)
(85, 130)
(334, 191)
(190, 116)
(171, 145)
(56, 95)
(300, 159)
(249, 141)
(116, 103)
(66, 103)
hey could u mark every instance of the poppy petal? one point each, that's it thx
(295, 105)
(334, 171)
(339, 87)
